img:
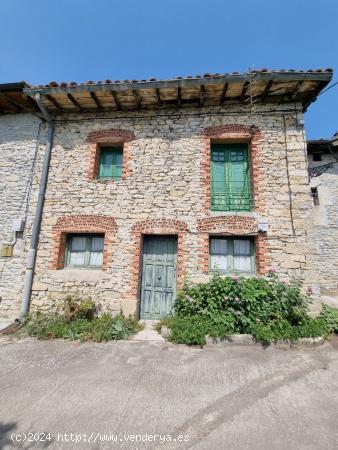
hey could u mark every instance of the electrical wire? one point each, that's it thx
(288, 178)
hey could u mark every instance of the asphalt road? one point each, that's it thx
(141, 395)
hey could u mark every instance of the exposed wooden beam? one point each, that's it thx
(14, 107)
(74, 101)
(116, 100)
(295, 90)
(55, 102)
(31, 101)
(224, 92)
(179, 96)
(137, 99)
(20, 107)
(96, 100)
(158, 95)
(266, 90)
(243, 93)
(14, 103)
(202, 95)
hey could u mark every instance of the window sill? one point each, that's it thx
(82, 275)
(107, 180)
(234, 274)
(233, 213)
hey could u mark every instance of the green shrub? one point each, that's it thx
(78, 321)
(76, 308)
(191, 330)
(44, 326)
(108, 328)
(267, 308)
(330, 316)
(284, 331)
(246, 299)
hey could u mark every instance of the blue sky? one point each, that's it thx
(80, 40)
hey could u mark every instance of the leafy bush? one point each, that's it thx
(75, 308)
(246, 299)
(330, 316)
(44, 326)
(192, 330)
(78, 320)
(108, 328)
(267, 308)
(284, 331)
(188, 330)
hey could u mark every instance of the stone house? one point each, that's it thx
(151, 183)
(323, 170)
(20, 134)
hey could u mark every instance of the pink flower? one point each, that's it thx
(309, 291)
(235, 278)
(272, 270)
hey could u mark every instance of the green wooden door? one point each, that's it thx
(158, 276)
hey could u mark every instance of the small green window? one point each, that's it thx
(110, 163)
(230, 178)
(232, 255)
(84, 250)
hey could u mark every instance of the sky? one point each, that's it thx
(81, 40)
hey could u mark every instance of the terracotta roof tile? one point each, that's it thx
(206, 75)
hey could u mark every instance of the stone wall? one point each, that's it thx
(324, 231)
(165, 190)
(19, 165)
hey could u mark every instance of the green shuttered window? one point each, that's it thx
(110, 163)
(84, 250)
(230, 178)
(232, 255)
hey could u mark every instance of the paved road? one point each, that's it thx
(214, 398)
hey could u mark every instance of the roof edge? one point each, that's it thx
(55, 88)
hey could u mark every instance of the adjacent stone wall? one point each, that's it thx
(164, 191)
(20, 163)
(324, 230)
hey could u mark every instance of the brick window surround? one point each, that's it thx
(105, 138)
(157, 227)
(240, 226)
(82, 224)
(233, 133)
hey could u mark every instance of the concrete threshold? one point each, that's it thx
(148, 333)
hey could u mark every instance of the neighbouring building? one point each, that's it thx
(20, 163)
(154, 182)
(323, 169)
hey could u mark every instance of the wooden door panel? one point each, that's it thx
(158, 284)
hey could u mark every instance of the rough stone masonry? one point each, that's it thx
(20, 165)
(165, 189)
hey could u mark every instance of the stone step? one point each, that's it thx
(148, 333)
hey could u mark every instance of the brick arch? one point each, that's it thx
(234, 133)
(157, 227)
(111, 136)
(82, 224)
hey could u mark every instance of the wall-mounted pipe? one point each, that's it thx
(30, 266)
